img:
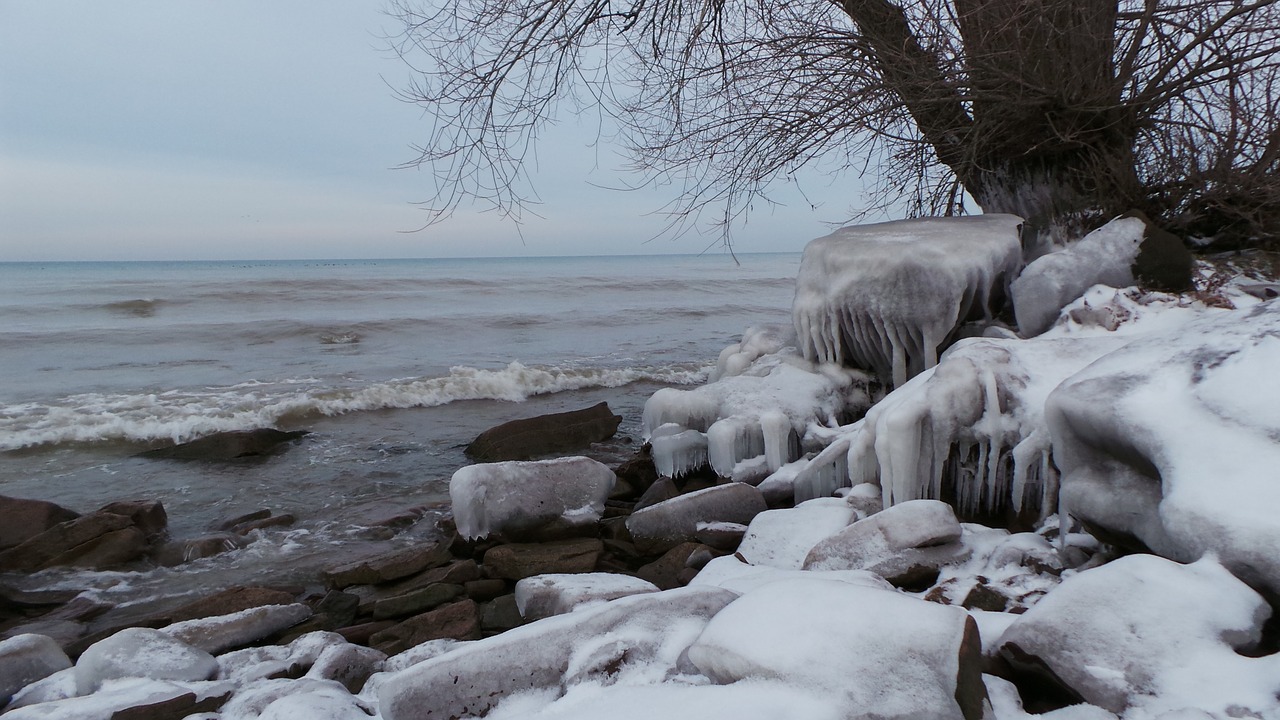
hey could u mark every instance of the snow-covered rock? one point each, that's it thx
(888, 297)
(1007, 705)
(664, 525)
(223, 632)
(652, 629)
(252, 702)
(141, 653)
(27, 658)
(917, 533)
(328, 702)
(1147, 632)
(1174, 440)
(731, 573)
(782, 538)
(134, 697)
(58, 686)
(1049, 283)
(517, 498)
(876, 653)
(542, 596)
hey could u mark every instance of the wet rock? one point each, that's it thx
(178, 552)
(282, 520)
(147, 515)
(62, 540)
(231, 600)
(638, 472)
(667, 572)
(24, 519)
(545, 435)
(361, 634)
(230, 521)
(389, 566)
(25, 659)
(228, 445)
(459, 621)
(416, 601)
(660, 527)
(337, 608)
(522, 560)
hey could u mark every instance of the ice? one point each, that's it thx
(678, 455)
(546, 595)
(27, 658)
(731, 573)
(674, 700)
(756, 341)
(1145, 633)
(116, 698)
(328, 702)
(223, 632)
(782, 538)
(252, 701)
(1174, 441)
(875, 653)
(515, 498)
(141, 653)
(888, 297)
(1103, 257)
(731, 440)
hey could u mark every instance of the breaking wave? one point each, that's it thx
(180, 415)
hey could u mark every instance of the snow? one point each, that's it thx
(1049, 283)
(223, 632)
(27, 658)
(888, 297)
(782, 538)
(515, 497)
(554, 594)
(731, 573)
(679, 454)
(141, 653)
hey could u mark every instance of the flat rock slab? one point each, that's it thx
(218, 634)
(416, 601)
(521, 560)
(545, 434)
(24, 519)
(231, 600)
(228, 445)
(99, 539)
(389, 566)
(458, 620)
(662, 526)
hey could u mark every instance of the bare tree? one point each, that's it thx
(1062, 111)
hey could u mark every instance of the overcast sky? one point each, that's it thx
(229, 129)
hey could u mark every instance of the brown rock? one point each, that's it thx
(983, 597)
(147, 515)
(522, 560)
(37, 552)
(283, 520)
(178, 552)
(229, 521)
(501, 615)
(638, 472)
(229, 601)
(361, 633)
(665, 572)
(459, 620)
(488, 589)
(389, 566)
(971, 692)
(416, 601)
(174, 708)
(545, 434)
(107, 550)
(228, 445)
(660, 490)
(25, 519)
(1163, 261)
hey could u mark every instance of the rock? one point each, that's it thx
(282, 520)
(500, 615)
(984, 597)
(286, 699)
(348, 664)
(521, 560)
(132, 699)
(488, 589)
(664, 488)
(25, 659)
(470, 679)
(105, 551)
(871, 652)
(58, 686)
(459, 621)
(62, 540)
(147, 515)
(1145, 631)
(783, 538)
(229, 521)
(24, 519)
(142, 653)
(226, 602)
(660, 527)
(1163, 262)
(901, 541)
(416, 601)
(545, 434)
(224, 632)
(638, 472)
(360, 634)
(389, 566)
(520, 499)
(228, 445)
(177, 707)
(338, 608)
(178, 552)
(666, 571)
(722, 536)
(546, 595)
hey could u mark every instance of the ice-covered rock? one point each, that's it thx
(553, 654)
(911, 532)
(134, 697)
(330, 703)
(782, 538)
(1049, 283)
(251, 702)
(1173, 441)
(1147, 632)
(27, 658)
(666, 524)
(731, 573)
(679, 454)
(555, 594)
(58, 686)
(223, 632)
(757, 341)
(889, 297)
(141, 653)
(517, 498)
(877, 653)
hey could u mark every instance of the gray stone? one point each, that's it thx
(659, 527)
(228, 445)
(521, 560)
(544, 435)
(909, 525)
(546, 595)
(501, 614)
(389, 566)
(521, 500)
(142, 652)
(25, 659)
(348, 664)
(231, 600)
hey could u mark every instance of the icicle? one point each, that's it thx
(680, 454)
(732, 440)
(778, 433)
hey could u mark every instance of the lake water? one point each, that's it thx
(393, 365)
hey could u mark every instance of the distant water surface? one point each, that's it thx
(393, 364)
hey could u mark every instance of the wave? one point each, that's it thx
(181, 415)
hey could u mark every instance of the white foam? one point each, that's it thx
(181, 415)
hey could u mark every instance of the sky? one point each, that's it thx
(244, 129)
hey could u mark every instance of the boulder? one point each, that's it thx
(546, 595)
(132, 699)
(226, 602)
(348, 664)
(500, 615)
(25, 659)
(282, 520)
(906, 544)
(389, 566)
(545, 434)
(148, 516)
(1163, 262)
(178, 552)
(470, 679)
(224, 632)
(873, 652)
(783, 538)
(724, 536)
(671, 570)
(228, 445)
(24, 519)
(662, 526)
(416, 601)
(524, 499)
(65, 542)
(142, 653)
(458, 620)
(521, 560)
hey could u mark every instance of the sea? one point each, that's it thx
(394, 366)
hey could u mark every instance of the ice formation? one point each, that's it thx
(888, 297)
(520, 497)
(1174, 440)
(1103, 257)
(782, 538)
(759, 407)
(555, 594)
